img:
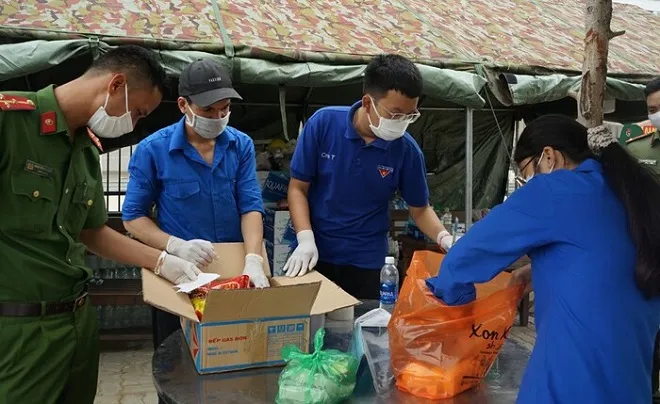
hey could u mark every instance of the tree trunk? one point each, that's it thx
(594, 68)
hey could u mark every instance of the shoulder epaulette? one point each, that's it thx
(16, 103)
(645, 135)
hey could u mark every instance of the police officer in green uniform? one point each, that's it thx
(646, 147)
(52, 210)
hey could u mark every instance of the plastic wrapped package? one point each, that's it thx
(198, 296)
(321, 377)
(377, 351)
(198, 300)
(439, 351)
(370, 340)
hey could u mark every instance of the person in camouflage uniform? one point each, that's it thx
(646, 148)
(52, 211)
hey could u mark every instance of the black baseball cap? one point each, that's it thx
(206, 82)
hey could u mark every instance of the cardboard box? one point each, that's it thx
(261, 177)
(278, 228)
(275, 187)
(278, 254)
(279, 237)
(247, 328)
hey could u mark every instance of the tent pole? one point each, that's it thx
(468, 166)
(285, 126)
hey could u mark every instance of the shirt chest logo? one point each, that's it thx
(648, 162)
(384, 171)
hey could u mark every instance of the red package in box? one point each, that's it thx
(239, 282)
(198, 296)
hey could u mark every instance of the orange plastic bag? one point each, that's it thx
(439, 351)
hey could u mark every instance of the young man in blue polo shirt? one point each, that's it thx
(348, 163)
(201, 175)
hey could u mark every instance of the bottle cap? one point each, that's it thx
(389, 260)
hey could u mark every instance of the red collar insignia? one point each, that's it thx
(95, 139)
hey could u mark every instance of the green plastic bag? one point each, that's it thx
(322, 377)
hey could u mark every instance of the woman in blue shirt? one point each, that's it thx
(589, 219)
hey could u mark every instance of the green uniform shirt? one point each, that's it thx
(647, 149)
(51, 189)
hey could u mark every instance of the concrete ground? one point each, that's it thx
(125, 373)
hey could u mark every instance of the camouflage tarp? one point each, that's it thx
(507, 34)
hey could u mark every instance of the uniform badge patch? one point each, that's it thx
(385, 171)
(38, 169)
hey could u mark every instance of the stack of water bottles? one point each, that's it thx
(112, 317)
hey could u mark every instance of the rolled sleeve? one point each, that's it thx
(304, 161)
(142, 189)
(412, 181)
(514, 228)
(247, 185)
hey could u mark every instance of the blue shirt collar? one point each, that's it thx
(352, 134)
(589, 165)
(179, 141)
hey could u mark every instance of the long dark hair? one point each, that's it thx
(635, 185)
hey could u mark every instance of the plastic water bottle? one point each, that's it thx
(389, 285)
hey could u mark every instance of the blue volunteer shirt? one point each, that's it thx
(595, 330)
(351, 184)
(194, 199)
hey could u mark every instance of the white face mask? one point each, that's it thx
(536, 167)
(206, 127)
(655, 119)
(107, 126)
(388, 129)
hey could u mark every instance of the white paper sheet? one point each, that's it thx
(202, 279)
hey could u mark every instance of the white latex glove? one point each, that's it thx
(304, 257)
(254, 268)
(175, 269)
(446, 240)
(199, 252)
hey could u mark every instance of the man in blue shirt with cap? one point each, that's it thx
(201, 175)
(348, 163)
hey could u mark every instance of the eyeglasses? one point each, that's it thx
(518, 173)
(520, 181)
(403, 117)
